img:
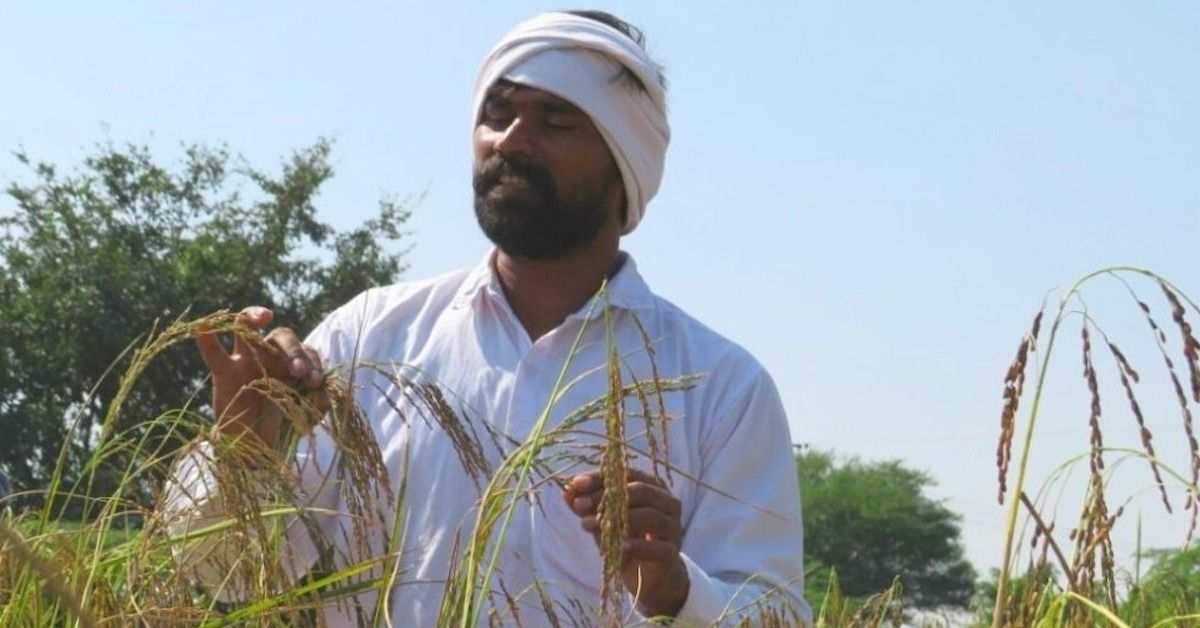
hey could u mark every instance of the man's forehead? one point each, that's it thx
(506, 92)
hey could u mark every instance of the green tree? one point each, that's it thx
(91, 260)
(871, 521)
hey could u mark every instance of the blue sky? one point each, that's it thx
(872, 197)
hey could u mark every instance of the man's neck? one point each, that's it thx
(542, 293)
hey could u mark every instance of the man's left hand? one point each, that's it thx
(654, 571)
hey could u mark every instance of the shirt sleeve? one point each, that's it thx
(213, 546)
(743, 543)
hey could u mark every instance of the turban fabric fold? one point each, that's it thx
(579, 60)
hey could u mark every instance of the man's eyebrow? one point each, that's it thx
(501, 94)
(496, 96)
(558, 106)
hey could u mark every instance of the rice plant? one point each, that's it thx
(128, 562)
(53, 572)
(1073, 579)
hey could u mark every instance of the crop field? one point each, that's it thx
(123, 558)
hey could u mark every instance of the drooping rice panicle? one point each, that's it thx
(547, 605)
(1096, 436)
(1191, 504)
(1191, 346)
(464, 439)
(1191, 354)
(1128, 377)
(1014, 385)
(657, 452)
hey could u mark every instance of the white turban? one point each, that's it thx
(578, 59)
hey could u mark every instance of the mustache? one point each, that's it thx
(494, 168)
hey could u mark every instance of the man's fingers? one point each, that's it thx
(316, 372)
(295, 359)
(655, 524)
(211, 351)
(643, 523)
(584, 491)
(255, 317)
(594, 480)
(649, 550)
(215, 357)
(583, 505)
(291, 352)
(321, 402)
(637, 475)
(586, 482)
(654, 496)
(591, 525)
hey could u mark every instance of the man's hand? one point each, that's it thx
(653, 569)
(279, 355)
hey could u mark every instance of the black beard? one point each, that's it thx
(538, 223)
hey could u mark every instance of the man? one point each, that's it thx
(569, 143)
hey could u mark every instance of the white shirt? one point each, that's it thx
(727, 437)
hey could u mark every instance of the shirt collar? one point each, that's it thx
(481, 278)
(626, 290)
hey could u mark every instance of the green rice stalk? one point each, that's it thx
(500, 500)
(10, 541)
(1096, 608)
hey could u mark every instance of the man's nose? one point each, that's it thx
(515, 139)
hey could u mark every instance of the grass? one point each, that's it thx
(110, 537)
(125, 561)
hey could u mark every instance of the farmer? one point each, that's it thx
(570, 135)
